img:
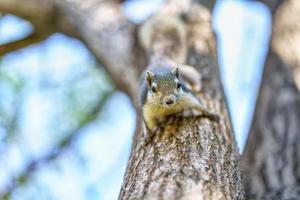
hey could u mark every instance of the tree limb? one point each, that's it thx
(209, 4)
(100, 24)
(19, 44)
(27, 10)
(272, 4)
(110, 36)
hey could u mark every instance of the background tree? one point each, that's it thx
(271, 160)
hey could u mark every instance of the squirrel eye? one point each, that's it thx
(153, 89)
(178, 86)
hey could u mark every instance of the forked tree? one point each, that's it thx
(190, 156)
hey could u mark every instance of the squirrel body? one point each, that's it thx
(163, 89)
(163, 92)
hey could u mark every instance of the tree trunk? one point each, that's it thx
(272, 156)
(191, 157)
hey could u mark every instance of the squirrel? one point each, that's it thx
(164, 89)
(163, 92)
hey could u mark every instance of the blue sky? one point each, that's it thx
(243, 29)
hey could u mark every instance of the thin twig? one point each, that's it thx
(19, 44)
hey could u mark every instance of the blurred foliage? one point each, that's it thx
(74, 101)
(11, 87)
(58, 134)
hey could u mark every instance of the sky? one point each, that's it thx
(242, 29)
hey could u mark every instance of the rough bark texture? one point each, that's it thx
(272, 157)
(190, 157)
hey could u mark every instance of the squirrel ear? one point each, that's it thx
(175, 71)
(149, 77)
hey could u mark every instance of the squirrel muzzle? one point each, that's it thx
(169, 100)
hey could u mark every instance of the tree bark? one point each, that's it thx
(272, 156)
(191, 156)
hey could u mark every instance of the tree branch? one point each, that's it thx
(64, 144)
(209, 4)
(27, 10)
(19, 44)
(272, 4)
(100, 24)
(110, 36)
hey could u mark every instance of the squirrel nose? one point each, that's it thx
(169, 100)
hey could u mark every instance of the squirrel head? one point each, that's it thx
(164, 89)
